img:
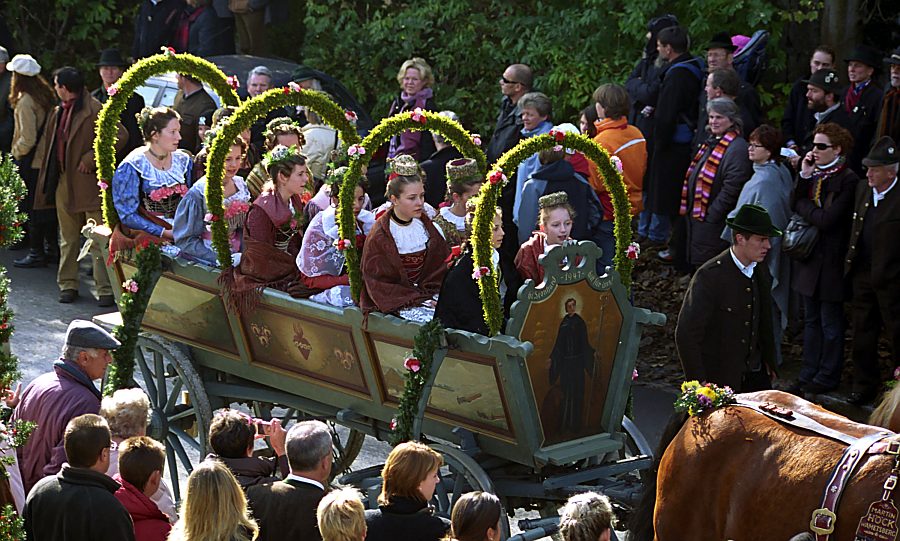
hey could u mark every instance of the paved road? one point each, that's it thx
(41, 323)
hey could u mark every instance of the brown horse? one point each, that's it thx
(737, 474)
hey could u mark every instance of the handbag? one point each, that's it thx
(800, 238)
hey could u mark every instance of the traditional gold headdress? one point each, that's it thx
(553, 200)
(405, 166)
(463, 171)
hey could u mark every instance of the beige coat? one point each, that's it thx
(83, 196)
(29, 118)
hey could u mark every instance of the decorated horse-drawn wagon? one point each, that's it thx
(487, 403)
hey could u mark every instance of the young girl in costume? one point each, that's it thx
(403, 258)
(192, 218)
(463, 182)
(281, 131)
(273, 232)
(152, 179)
(556, 217)
(321, 259)
(459, 305)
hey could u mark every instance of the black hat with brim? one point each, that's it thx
(755, 220)
(865, 54)
(721, 41)
(111, 57)
(826, 79)
(884, 152)
(894, 58)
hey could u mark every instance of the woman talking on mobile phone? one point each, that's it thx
(824, 198)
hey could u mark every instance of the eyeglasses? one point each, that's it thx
(506, 81)
(754, 145)
(821, 146)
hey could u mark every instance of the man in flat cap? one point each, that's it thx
(873, 266)
(54, 398)
(725, 330)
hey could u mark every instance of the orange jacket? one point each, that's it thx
(628, 143)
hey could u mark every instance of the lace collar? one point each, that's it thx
(459, 222)
(153, 178)
(330, 226)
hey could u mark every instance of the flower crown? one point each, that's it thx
(280, 154)
(462, 171)
(335, 176)
(286, 122)
(553, 200)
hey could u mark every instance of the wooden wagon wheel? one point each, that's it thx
(180, 410)
(346, 442)
(460, 475)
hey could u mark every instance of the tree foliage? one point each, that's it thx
(572, 46)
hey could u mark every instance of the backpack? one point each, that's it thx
(751, 61)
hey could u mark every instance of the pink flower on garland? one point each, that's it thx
(294, 223)
(356, 150)
(618, 163)
(634, 375)
(342, 244)
(557, 135)
(412, 364)
(233, 82)
(294, 87)
(557, 148)
(210, 217)
(350, 116)
(418, 114)
(476, 139)
(130, 286)
(102, 184)
(393, 424)
(480, 272)
(633, 251)
(497, 176)
(112, 90)
(168, 51)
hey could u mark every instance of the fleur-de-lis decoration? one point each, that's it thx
(262, 334)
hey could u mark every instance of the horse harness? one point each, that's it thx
(881, 521)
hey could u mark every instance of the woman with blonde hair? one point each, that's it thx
(586, 517)
(214, 507)
(409, 478)
(415, 79)
(31, 97)
(341, 516)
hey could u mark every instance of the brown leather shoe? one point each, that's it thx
(106, 301)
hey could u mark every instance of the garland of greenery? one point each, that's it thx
(490, 192)
(133, 302)
(418, 370)
(12, 191)
(12, 526)
(120, 93)
(245, 115)
(361, 154)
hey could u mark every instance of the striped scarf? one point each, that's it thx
(706, 177)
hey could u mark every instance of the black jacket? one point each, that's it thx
(863, 120)
(716, 322)
(77, 504)
(798, 118)
(459, 304)
(405, 519)
(822, 274)
(155, 26)
(128, 118)
(286, 510)
(507, 132)
(250, 471)
(209, 34)
(435, 168)
(643, 88)
(884, 261)
(677, 104)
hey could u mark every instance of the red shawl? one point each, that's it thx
(527, 259)
(386, 286)
(262, 264)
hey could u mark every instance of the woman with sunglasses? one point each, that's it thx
(824, 198)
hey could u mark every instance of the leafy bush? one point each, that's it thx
(573, 47)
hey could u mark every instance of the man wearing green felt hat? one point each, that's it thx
(725, 330)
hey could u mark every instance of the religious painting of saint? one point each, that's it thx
(571, 364)
(575, 333)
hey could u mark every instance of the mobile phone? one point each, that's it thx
(260, 425)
